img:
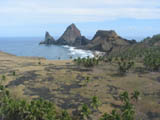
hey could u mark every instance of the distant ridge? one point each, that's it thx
(152, 41)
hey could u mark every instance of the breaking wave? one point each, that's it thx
(79, 52)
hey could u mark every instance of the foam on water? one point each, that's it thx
(79, 52)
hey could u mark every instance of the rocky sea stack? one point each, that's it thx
(104, 41)
(48, 39)
(72, 36)
(69, 36)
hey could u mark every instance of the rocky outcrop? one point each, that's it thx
(153, 41)
(106, 41)
(69, 37)
(48, 39)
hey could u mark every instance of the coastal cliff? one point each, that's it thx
(106, 40)
(103, 40)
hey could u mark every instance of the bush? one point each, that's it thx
(95, 102)
(65, 116)
(13, 109)
(14, 73)
(3, 77)
(152, 60)
(124, 65)
(87, 62)
(85, 111)
(39, 63)
(127, 109)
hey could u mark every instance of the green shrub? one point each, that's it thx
(95, 102)
(65, 116)
(39, 63)
(124, 65)
(3, 77)
(152, 61)
(87, 62)
(12, 109)
(85, 111)
(14, 73)
(127, 109)
(15, 109)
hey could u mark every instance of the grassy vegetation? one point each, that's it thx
(16, 109)
(124, 66)
(152, 60)
(60, 83)
(87, 62)
(153, 40)
(127, 109)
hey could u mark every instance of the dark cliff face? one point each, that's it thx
(70, 35)
(81, 41)
(48, 39)
(106, 41)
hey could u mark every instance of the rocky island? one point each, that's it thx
(48, 39)
(72, 36)
(104, 41)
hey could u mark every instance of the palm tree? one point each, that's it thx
(65, 115)
(95, 102)
(105, 116)
(128, 111)
(85, 111)
(14, 73)
(87, 79)
(135, 95)
(124, 96)
(3, 78)
(2, 87)
(113, 116)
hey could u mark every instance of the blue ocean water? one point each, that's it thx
(25, 46)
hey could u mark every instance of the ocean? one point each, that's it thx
(29, 46)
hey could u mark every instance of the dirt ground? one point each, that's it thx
(63, 83)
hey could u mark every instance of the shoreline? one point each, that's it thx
(73, 52)
(8, 56)
(95, 53)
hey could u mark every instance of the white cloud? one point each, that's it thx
(49, 11)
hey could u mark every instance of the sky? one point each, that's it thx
(129, 18)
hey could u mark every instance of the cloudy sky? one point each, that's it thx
(133, 18)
